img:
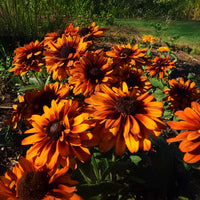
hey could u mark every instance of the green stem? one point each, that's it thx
(40, 84)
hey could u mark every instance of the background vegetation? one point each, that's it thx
(23, 21)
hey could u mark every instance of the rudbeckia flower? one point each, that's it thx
(133, 77)
(33, 101)
(181, 94)
(52, 37)
(17, 113)
(59, 135)
(90, 73)
(159, 67)
(61, 55)
(163, 49)
(28, 57)
(92, 32)
(190, 132)
(125, 54)
(36, 99)
(25, 182)
(149, 38)
(128, 116)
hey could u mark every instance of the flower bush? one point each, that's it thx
(101, 116)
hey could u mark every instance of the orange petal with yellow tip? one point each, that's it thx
(38, 137)
(146, 121)
(132, 143)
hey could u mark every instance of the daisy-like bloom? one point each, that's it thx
(38, 98)
(149, 39)
(59, 135)
(133, 77)
(190, 132)
(163, 49)
(92, 32)
(25, 182)
(52, 37)
(90, 73)
(159, 67)
(17, 113)
(128, 116)
(33, 102)
(125, 54)
(181, 94)
(61, 55)
(28, 57)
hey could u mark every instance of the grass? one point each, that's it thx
(181, 33)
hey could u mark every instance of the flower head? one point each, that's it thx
(93, 70)
(59, 135)
(181, 94)
(33, 101)
(128, 116)
(159, 67)
(163, 49)
(61, 55)
(92, 32)
(26, 182)
(125, 54)
(52, 37)
(28, 57)
(190, 135)
(149, 39)
(132, 76)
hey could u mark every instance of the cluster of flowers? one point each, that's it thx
(97, 98)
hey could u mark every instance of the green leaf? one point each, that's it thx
(156, 83)
(159, 95)
(135, 159)
(2, 69)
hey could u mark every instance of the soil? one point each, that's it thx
(10, 153)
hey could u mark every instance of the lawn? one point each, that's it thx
(183, 33)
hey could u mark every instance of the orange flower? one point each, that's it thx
(17, 113)
(132, 76)
(59, 135)
(159, 67)
(33, 102)
(90, 73)
(28, 58)
(38, 98)
(52, 37)
(92, 32)
(26, 182)
(149, 38)
(190, 135)
(129, 117)
(163, 49)
(60, 55)
(125, 54)
(181, 94)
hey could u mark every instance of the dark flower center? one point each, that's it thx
(54, 129)
(132, 82)
(182, 92)
(95, 74)
(83, 31)
(126, 51)
(127, 105)
(66, 50)
(33, 186)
